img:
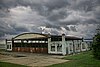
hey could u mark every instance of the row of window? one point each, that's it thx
(30, 45)
(30, 41)
(56, 39)
(59, 47)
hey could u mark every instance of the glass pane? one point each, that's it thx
(59, 48)
(7, 46)
(52, 47)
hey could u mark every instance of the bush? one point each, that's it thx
(96, 46)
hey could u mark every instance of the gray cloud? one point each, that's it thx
(5, 28)
(18, 16)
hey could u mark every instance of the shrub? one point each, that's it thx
(96, 46)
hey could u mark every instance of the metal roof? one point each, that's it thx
(39, 35)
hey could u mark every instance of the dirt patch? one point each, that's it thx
(2, 56)
(31, 59)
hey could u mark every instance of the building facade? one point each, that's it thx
(89, 42)
(46, 43)
(2, 44)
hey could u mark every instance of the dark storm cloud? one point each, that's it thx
(86, 5)
(57, 14)
(52, 26)
(73, 28)
(8, 3)
(49, 13)
(5, 28)
(3, 13)
(56, 4)
(19, 29)
(67, 28)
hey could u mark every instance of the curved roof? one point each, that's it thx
(39, 35)
(30, 36)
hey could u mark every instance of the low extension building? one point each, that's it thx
(46, 43)
(2, 44)
(89, 42)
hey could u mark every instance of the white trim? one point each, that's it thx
(9, 46)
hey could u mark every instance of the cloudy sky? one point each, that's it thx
(72, 17)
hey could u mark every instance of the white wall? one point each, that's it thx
(2, 44)
(69, 47)
(55, 43)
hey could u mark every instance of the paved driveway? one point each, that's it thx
(31, 59)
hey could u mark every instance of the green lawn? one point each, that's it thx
(84, 59)
(5, 64)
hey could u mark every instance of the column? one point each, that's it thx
(80, 42)
(72, 47)
(63, 45)
(56, 48)
(74, 51)
(75, 46)
(49, 46)
(86, 46)
(6, 44)
(68, 48)
(12, 43)
(81, 46)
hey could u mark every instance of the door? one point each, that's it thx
(9, 45)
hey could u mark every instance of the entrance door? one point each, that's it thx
(9, 45)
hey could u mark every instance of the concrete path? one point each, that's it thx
(31, 59)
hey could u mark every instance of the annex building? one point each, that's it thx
(46, 43)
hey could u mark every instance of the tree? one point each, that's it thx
(96, 44)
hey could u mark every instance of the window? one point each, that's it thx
(37, 45)
(33, 45)
(83, 46)
(17, 45)
(71, 46)
(25, 41)
(42, 41)
(37, 41)
(10, 46)
(17, 41)
(29, 41)
(7, 46)
(28, 45)
(46, 42)
(59, 47)
(77, 46)
(44, 45)
(23, 45)
(52, 47)
(33, 41)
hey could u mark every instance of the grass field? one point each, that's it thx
(84, 59)
(5, 64)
